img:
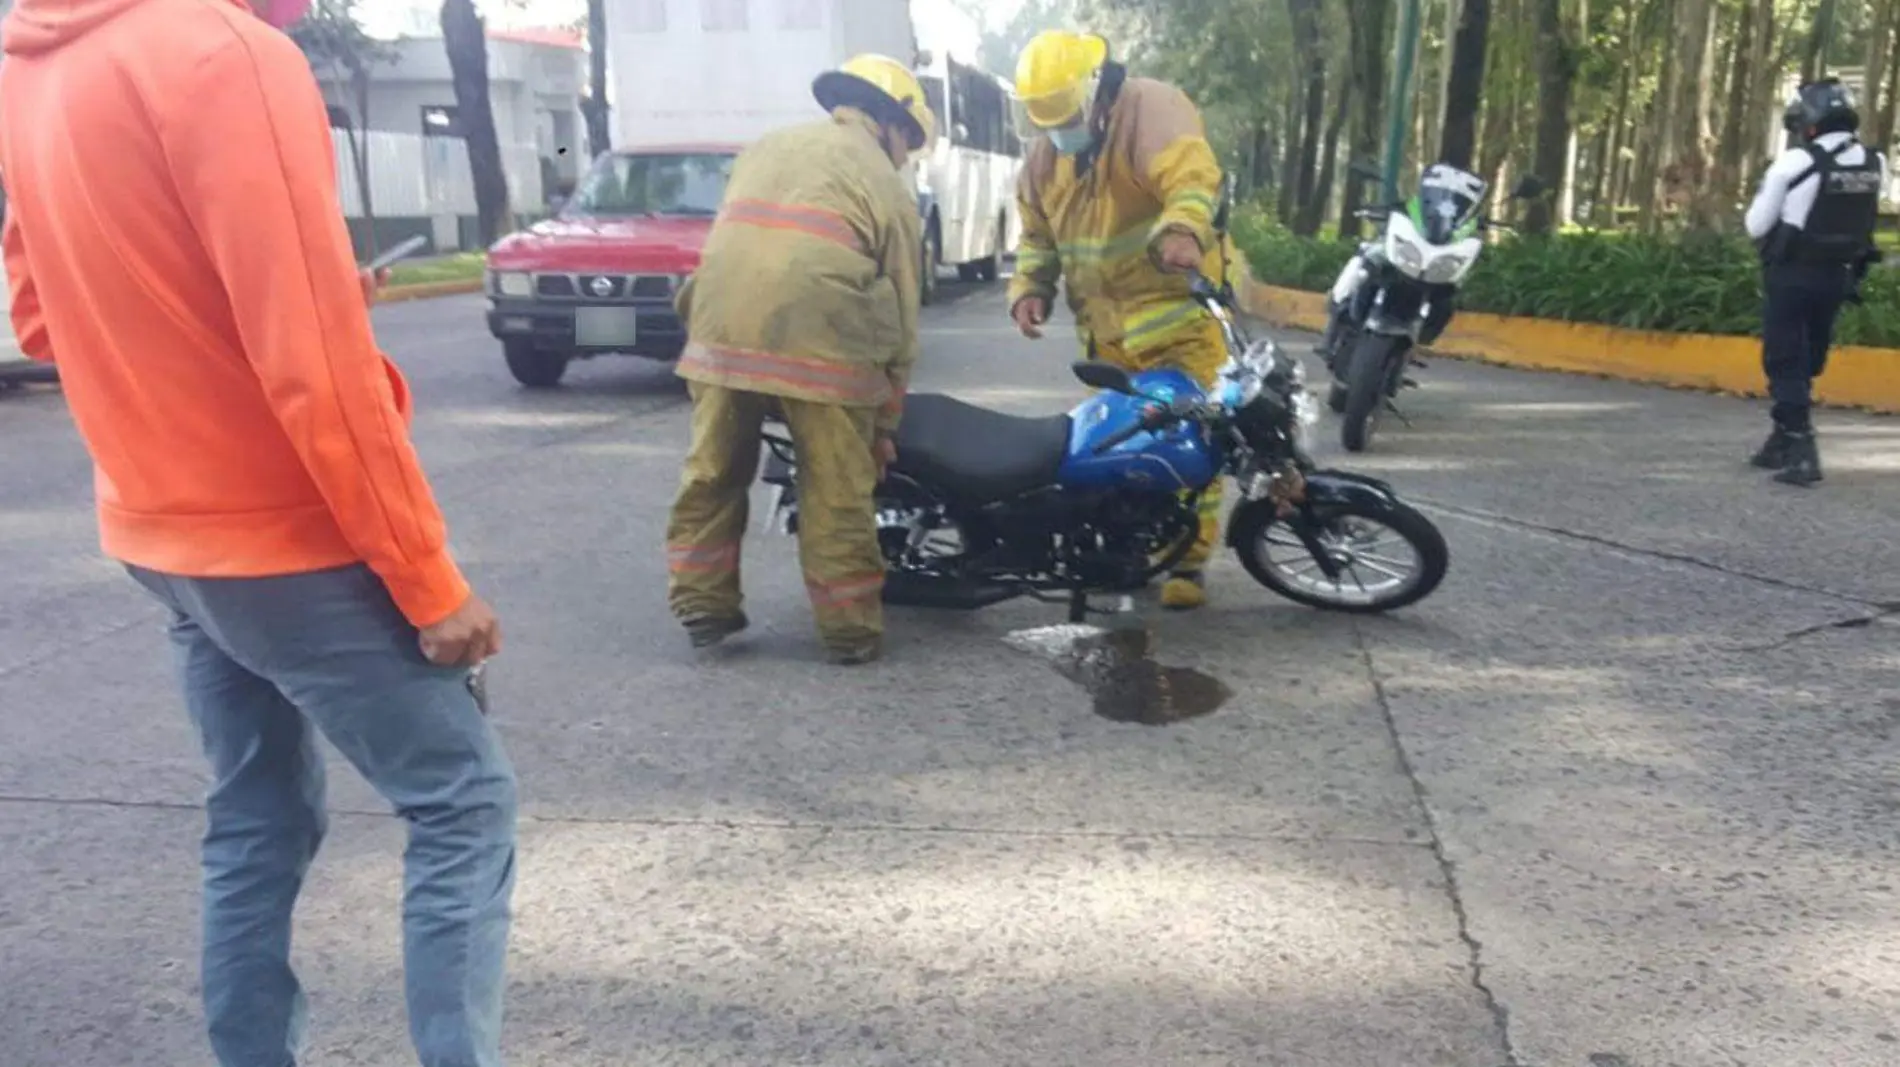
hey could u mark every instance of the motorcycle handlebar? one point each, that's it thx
(1151, 420)
(1204, 291)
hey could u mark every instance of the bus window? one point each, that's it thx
(933, 98)
(978, 104)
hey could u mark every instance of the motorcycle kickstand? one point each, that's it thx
(1079, 609)
(1393, 408)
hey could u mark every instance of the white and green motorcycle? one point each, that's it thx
(1397, 292)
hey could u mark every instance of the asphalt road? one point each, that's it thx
(1623, 793)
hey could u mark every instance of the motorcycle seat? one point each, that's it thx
(977, 455)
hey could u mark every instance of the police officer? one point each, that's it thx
(1813, 220)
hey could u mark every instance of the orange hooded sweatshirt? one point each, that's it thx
(175, 243)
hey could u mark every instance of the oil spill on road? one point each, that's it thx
(1117, 669)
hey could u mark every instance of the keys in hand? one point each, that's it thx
(471, 634)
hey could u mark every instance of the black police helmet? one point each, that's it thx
(1824, 106)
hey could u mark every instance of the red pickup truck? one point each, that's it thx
(599, 277)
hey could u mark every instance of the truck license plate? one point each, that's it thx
(605, 327)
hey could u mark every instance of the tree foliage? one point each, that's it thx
(1650, 114)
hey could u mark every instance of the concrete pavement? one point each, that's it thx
(1623, 792)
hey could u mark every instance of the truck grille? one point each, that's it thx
(608, 287)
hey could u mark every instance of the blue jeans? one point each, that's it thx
(268, 662)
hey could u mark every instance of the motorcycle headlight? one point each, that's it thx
(1405, 255)
(1445, 267)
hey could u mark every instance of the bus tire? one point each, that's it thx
(990, 269)
(927, 279)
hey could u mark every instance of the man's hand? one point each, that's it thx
(465, 638)
(1178, 251)
(1030, 313)
(372, 283)
(884, 451)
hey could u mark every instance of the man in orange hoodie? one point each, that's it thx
(174, 242)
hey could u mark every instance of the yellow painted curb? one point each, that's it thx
(396, 294)
(1856, 376)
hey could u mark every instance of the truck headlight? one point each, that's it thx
(511, 283)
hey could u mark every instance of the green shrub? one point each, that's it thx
(1695, 283)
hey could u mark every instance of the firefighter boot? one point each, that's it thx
(1184, 591)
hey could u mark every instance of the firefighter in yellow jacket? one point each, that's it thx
(805, 304)
(1117, 198)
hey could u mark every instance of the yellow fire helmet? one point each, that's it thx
(881, 87)
(1056, 80)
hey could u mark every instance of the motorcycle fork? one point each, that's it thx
(1396, 380)
(1303, 521)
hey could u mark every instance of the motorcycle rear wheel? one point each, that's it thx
(1367, 371)
(1358, 536)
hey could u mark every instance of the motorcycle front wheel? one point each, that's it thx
(1388, 555)
(1368, 370)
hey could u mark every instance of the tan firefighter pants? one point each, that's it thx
(1199, 355)
(837, 530)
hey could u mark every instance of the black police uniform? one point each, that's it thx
(1811, 267)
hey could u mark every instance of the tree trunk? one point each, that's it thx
(1768, 66)
(1259, 159)
(1607, 183)
(1879, 49)
(1692, 137)
(1884, 119)
(1567, 198)
(1654, 150)
(1306, 38)
(1435, 116)
(1464, 88)
(1820, 37)
(1290, 149)
(1556, 61)
(359, 155)
(1728, 176)
(1367, 23)
(1315, 209)
(1502, 108)
(464, 38)
(594, 108)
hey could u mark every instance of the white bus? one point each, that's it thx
(967, 188)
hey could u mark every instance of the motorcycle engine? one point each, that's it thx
(1114, 551)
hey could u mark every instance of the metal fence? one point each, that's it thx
(420, 177)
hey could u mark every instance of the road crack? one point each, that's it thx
(1474, 949)
(1857, 622)
(1664, 555)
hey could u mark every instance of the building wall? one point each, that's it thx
(534, 91)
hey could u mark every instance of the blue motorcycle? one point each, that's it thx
(983, 507)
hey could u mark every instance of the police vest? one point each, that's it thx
(1840, 227)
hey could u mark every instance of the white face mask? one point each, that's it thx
(1072, 140)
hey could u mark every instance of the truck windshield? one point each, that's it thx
(688, 185)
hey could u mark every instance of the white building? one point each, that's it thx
(535, 82)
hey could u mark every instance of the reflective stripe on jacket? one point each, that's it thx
(808, 285)
(1097, 231)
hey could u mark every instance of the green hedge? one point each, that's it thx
(1698, 283)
